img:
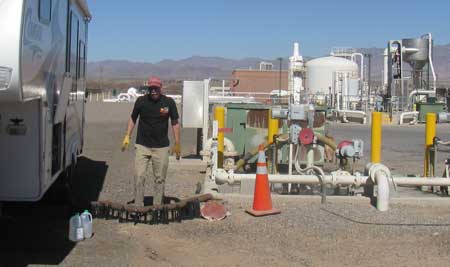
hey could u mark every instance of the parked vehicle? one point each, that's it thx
(43, 49)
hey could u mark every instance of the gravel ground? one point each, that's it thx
(344, 232)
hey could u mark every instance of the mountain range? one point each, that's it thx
(199, 67)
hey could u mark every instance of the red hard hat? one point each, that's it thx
(154, 82)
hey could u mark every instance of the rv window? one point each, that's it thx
(73, 53)
(45, 11)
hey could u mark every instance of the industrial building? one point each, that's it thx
(261, 81)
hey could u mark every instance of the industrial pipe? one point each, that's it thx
(376, 137)
(382, 191)
(224, 177)
(309, 155)
(420, 181)
(343, 108)
(362, 64)
(418, 92)
(443, 117)
(345, 112)
(410, 50)
(380, 175)
(219, 116)
(345, 94)
(327, 141)
(321, 176)
(430, 56)
(291, 146)
(444, 143)
(385, 68)
(414, 113)
(421, 92)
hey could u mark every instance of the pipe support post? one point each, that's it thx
(376, 137)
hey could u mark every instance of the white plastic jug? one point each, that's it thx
(86, 220)
(76, 232)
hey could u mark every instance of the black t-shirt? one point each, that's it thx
(153, 120)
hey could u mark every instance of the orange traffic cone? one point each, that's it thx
(262, 202)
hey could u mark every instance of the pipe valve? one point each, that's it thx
(350, 149)
(306, 136)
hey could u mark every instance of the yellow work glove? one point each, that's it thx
(176, 149)
(126, 142)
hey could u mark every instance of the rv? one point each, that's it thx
(43, 48)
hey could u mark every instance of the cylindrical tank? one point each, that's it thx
(320, 71)
(417, 59)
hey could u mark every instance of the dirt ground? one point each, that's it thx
(347, 231)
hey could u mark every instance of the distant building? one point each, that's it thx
(261, 81)
(265, 65)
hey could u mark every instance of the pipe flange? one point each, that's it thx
(222, 176)
(333, 178)
(357, 179)
(335, 174)
(231, 177)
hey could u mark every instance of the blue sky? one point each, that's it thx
(152, 30)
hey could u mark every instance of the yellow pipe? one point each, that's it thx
(326, 140)
(376, 137)
(430, 134)
(219, 116)
(272, 127)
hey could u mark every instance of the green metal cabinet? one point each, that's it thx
(249, 125)
(425, 108)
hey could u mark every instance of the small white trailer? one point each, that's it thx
(42, 93)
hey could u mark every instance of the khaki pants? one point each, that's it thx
(159, 158)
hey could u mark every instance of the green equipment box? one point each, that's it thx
(425, 108)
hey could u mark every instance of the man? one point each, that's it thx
(152, 144)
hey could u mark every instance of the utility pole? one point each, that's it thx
(279, 78)
(369, 56)
(101, 77)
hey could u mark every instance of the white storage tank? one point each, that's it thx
(319, 73)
